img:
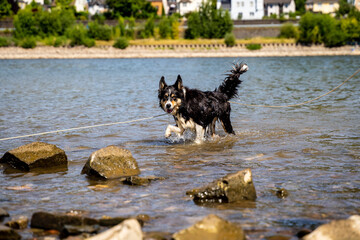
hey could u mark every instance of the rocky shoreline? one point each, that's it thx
(175, 51)
(114, 162)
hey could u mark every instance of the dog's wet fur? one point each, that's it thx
(200, 110)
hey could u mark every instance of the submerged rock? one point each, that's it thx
(348, 229)
(129, 229)
(46, 220)
(111, 162)
(3, 213)
(35, 155)
(7, 233)
(141, 181)
(282, 193)
(211, 227)
(231, 188)
(20, 222)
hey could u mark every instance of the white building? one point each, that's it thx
(247, 9)
(187, 6)
(81, 5)
(279, 7)
(97, 7)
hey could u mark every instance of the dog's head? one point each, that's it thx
(171, 97)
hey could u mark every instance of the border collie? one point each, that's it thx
(198, 110)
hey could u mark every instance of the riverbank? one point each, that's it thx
(174, 51)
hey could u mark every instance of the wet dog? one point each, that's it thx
(200, 110)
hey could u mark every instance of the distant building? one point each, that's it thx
(187, 6)
(81, 5)
(357, 4)
(159, 5)
(247, 9)
(97, 7)
(224, 4)
(24, 3)
(278, 7)
(322, 6)
(172, 7)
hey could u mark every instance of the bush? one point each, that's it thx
(33, 21)
(121, 43)
(230, 40)
(78, 36)
(4, 42)
(288, 31)
(28, 42)
(319, 28)
(99, 31)
(148, 29)
(165, 28)
(130, 28)
(253, 46)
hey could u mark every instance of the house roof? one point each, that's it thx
(97, 2)
(277, 1)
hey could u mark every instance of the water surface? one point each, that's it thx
(312, 151)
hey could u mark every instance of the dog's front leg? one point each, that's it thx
(200, 132)
(175, 129)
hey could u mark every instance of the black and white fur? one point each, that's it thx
(199, 110)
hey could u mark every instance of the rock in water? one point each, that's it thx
(7, 233)
(211, 227)
(348, 229)
(111, 162)
(35, 155)
(129, 229)
(231, 188)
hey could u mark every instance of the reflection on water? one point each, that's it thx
(311, 151)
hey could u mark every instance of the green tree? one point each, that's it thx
(344, 8)
(149, 28)
(99, 31)
(165, 28)
(321, 28)
(209, 22)
(300, 6)
(288, 31)
(5, 8)
(131, 8)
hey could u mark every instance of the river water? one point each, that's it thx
(312, 151)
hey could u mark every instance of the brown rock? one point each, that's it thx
(231, 188)
(211, 227)
(20, 222)
(141, 181)
(348, 229)
(111, 162)
(129, 229)
(46, 220)
(35, 155)
(7, 233)
(3, 213)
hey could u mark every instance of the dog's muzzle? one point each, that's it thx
(168, 107)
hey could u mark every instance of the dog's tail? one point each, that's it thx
(231, 83)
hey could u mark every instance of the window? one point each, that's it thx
(251, 4)
(252, 14)
(242, 4)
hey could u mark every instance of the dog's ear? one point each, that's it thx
(162, 83)
(178, 83)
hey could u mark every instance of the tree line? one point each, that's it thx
(60, 26)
